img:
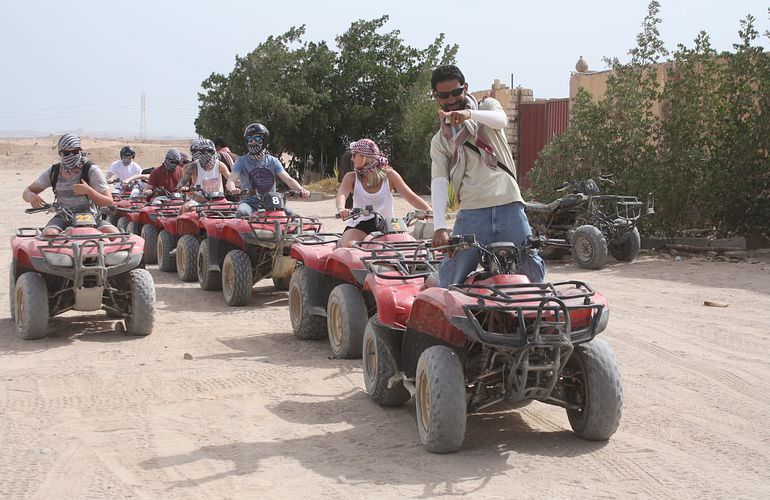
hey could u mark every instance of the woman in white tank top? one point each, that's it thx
(210, 181)
(371, 183)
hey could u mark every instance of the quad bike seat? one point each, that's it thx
(566, 202)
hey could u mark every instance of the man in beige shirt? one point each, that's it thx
(470, 150)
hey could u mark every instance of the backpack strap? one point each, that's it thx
(499, 163)
(84, 173)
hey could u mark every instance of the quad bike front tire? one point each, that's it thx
(166, 243)
(594, 379)
(141, 317)
(150, 235)
(346, 318)
(237, 273)
(627, 249)
(380, 358)
(31, 306)
(187, 258)
(589, 247)
(306, 326)
(208, 280)
(440, 400)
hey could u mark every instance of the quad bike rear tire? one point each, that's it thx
(187, 258)
(150, 235)
(627, 249)
(380, 359)
(346, 318)
(31, 306)
(440, 400)
(166, 243)
(141, 317)
(281, 283)
(122, 224)
(593, 375)
(237, 274)
(589, 247)
(208, 280)
(306, 326)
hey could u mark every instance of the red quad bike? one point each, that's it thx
(248, 250)
(326, 293)
(145, 222)
(494, 338)
(124, 207)
(81, 269)
(192, 247)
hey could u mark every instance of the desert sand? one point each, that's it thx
(255, 413)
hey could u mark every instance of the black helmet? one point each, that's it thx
(127, 151)
(257, 129)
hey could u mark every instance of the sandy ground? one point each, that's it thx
(91, 413)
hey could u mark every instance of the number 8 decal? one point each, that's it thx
(276, 201)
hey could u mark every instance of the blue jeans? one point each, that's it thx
(491, 225)
(251, 203)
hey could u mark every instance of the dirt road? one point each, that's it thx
(91, 413)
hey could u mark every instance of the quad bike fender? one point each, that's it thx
(431, 314)
(342, 264)
(187, 223)
(313, 256)
(394, 298)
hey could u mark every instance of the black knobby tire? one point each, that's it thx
(627, 249)
(380, 359)
(306, 326)
(122, 224)
(12, 288)
(150, 236)
(440, 400)
(589, 247)
(166, 243)
(346, 318)
(187, 258)
(281, 283)
(208, 280)
(141, 317)
(237, 275)
(592, 373)
(31, 306)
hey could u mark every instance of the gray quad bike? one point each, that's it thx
(593, 225)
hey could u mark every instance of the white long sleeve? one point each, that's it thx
(439, 196)
(492, 118)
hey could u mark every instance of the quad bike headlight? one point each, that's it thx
(58, 259)
(115, 258)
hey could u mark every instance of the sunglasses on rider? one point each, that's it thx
(454, 93)
(172, 162)
(258, 139)
(201, 151)
(69, 152)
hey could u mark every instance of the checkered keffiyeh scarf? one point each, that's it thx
(369, 149)
(72, 162)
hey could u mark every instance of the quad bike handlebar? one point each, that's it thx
(587, 186)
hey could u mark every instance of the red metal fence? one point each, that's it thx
(539, 122)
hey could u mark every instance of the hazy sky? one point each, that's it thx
(83, 64)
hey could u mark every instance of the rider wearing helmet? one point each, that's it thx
(125, 167)
(78, 185)
(257, 170)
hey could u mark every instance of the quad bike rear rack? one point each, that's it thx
(401, 263)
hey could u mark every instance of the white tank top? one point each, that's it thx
(381, 201)
(210, 180)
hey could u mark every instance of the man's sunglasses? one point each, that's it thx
(172, 162)
(254, 138)
(69, 152)
(201, 151)
(454, 93)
